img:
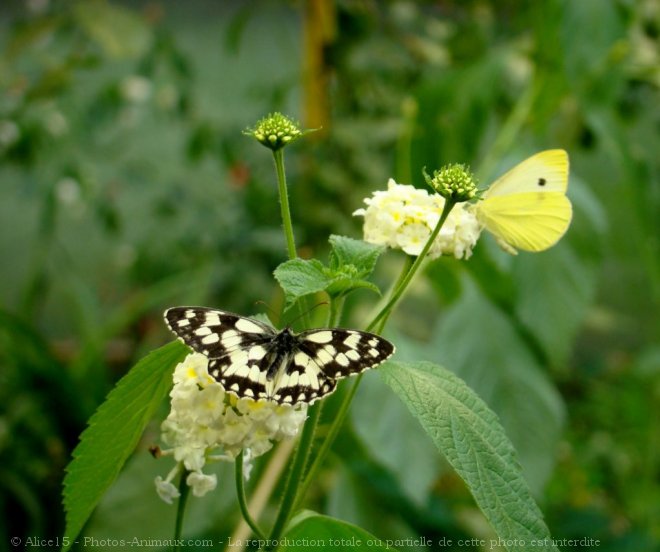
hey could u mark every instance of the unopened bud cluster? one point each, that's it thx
(275, 131)
(454, 182)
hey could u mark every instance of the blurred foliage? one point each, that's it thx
(127, 187)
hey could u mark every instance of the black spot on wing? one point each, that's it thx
(541, 182)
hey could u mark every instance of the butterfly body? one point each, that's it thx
(527, 207)
(253, 360)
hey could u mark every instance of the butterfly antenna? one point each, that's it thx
(270, 309)
(305, 313)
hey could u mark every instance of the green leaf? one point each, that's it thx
(330, 534)
(300, 277)
(351, 261)
(377, 414)
(486, 350)
(131, 508)
(472, 439)
(360, 254)
(343, 284)
(554, 291)
(113, 433)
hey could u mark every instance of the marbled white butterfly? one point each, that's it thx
(251, 359)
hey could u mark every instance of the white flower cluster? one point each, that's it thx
(403, 217)
(207, 423)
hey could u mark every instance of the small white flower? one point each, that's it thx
(201, 483)
(403, 217)
(192, 371)
(191, 455)
(247, 464)
(206, 423)
(166, 491)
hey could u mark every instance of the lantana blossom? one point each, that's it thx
(206, 423)
(403, 217)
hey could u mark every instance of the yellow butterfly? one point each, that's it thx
(527, 208)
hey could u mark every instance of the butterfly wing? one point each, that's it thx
(216, 333)
(243, 351)
(237, 347)
(527, 208)
(319, 358)
(341, 353)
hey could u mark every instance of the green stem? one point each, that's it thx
(242, 502)
(377, 323)
(180, 509)
(292, 493)
(407, 264)
(337, 424)
(336, 308)
(296, 472)
(405, 282)
(278, 155)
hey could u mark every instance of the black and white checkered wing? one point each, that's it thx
(236, 346)
(251, 359)
(341, 353)
(323, 356)
(216, 333)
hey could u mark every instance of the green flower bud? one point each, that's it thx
(454, 182)
(275, 131)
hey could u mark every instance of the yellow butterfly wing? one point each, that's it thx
(527, 208)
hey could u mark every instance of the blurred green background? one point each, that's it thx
(127, 187)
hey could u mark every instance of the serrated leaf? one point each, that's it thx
(360, 254)
(340, 285)
(497, 363)
(113, 433)
(472, 439)
(377, 414)
(299, 277)
(330, 534)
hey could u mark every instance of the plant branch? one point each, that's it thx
(398, 292)
(278, 156)
(180, 509)
(379, 323)
(242, 502)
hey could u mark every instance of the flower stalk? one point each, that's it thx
(278, 156)
(184, 490)
(296, 473)
(378, 323)
(294, 489)
(398, 292)
(242, 501)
